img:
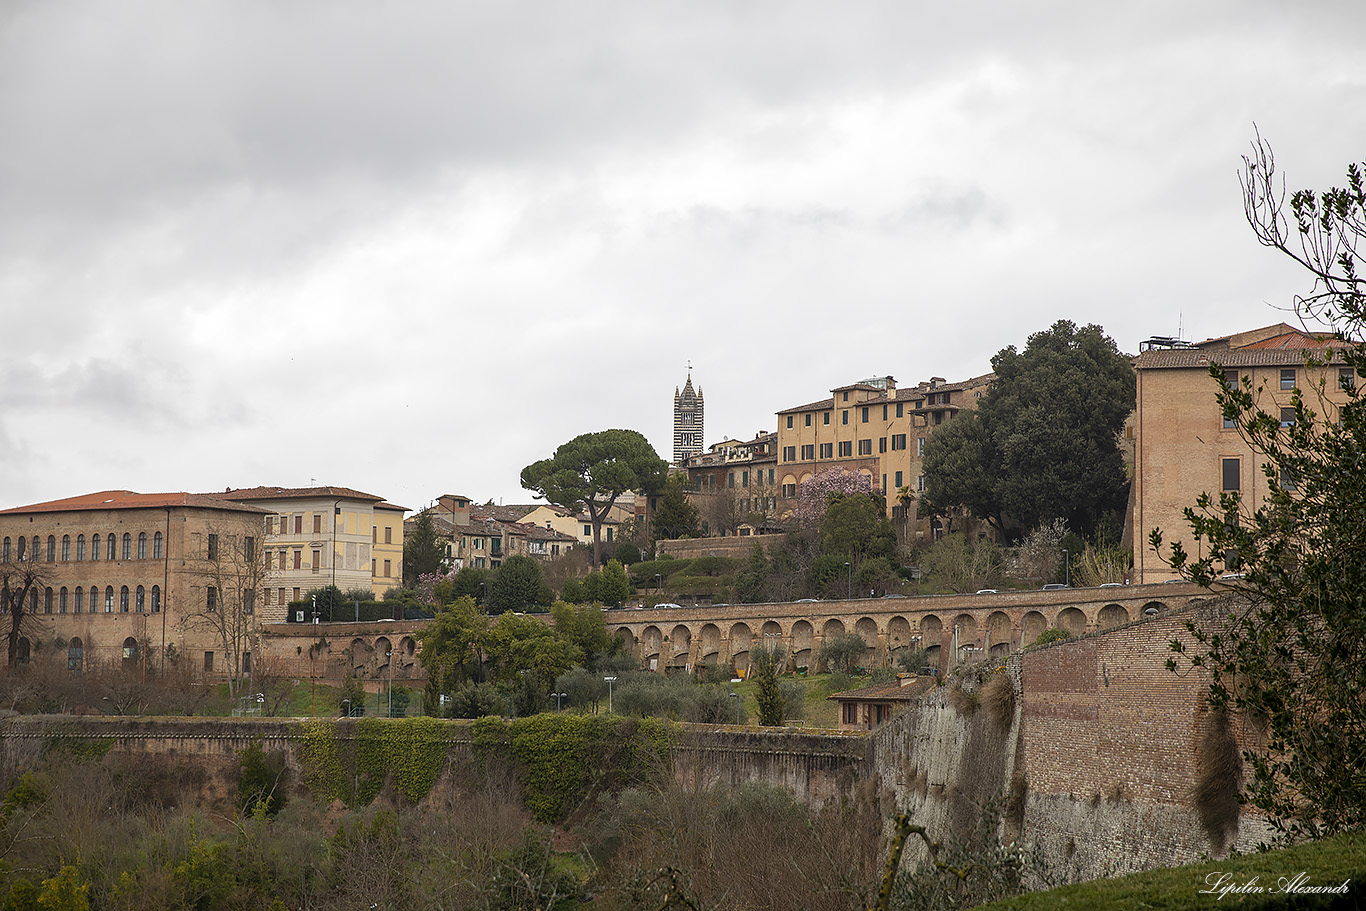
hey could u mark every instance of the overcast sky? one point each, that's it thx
(410, 248)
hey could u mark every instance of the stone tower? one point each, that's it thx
(687, 422)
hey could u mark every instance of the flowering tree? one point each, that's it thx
(814, 495)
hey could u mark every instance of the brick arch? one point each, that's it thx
(899, 633)
(867, 628)
(740, 637)
(1157, 604)
(1032, 626)
(709, 644)
(832, 628)
(803, 636)
(651, 639)
(770, 630)
(1000, 632)
(1072, 620)
(680, 645)
(1112, 615)
(626, 637)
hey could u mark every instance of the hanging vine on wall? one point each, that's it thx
(351, 761)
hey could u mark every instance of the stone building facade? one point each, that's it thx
(874, 429)
(136, 580)
(1183, 445)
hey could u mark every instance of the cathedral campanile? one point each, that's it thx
(687, 422)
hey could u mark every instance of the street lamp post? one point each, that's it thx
(736, 697)
(1066, 568)
(659, 583)
(347, 703)
(849, 594)
(610, 681)
(558, 700)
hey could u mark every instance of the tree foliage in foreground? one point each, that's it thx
(1292, 649)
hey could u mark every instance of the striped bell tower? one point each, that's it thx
(687, 422)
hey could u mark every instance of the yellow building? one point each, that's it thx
(320, 536)
(1183, 445)
(140, 581)
(870, 428)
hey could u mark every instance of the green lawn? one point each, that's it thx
(1330, 862)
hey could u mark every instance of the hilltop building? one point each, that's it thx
(136, 580)
(1184, 447)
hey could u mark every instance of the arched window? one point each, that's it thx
(123, 600)
(130, 651)
(109, 546)
(75, 655)
(95, 547)
(37, 548)
(52, 548)
(33, 600)
(66, 548)
(80, 547)
(156, 599)
(80, 599)
(20, 554)
(21, 650)
(156, 546)
(127, 546)
(47, 600)
(62, 601)
(109, 599)
(4, 553)
(141, 604)
(142, 545)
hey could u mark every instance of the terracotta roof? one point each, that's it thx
(894, 690)
(1196, 358)
(291, 493)
(393, 506)
(903, 394)
(127, 499)
(822, 405)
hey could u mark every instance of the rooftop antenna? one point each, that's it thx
(1180, 324)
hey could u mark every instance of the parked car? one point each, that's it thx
(1054, 586)
(667, 604)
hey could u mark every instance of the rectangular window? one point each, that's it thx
(730, 479)
(588, 529)
(298, 558)
(1287, 417)
(898, 480)
(266, 596)
(374, 534)
(213, 546)
(208, 661)
(846, 448)
(808, 419)
(246, 662)
(212, 599)
(372, 567)
(270, 561)
(789, 490)
(1232, 474)
(865, 413)
(249, 601)
(1288, 480)
(827, 450)
(109, 548)
(920, 447)
(789, 422)
(388, 534)
(296, 592)
(1288, 378)
(920, 482)
(298, 524)
(899, 409)
(317, 559)
(882, 445)
(282, 596)
(898, 442)
(827, 419)
(865, 447)
(844, 416)
(808, 452)
(789, 453)
(317, 524)
(609, 534)
(1347, 379)
(744, 479)
(249, 548)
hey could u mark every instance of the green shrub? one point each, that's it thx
(260, 783)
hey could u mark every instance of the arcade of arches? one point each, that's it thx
(949, 628)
